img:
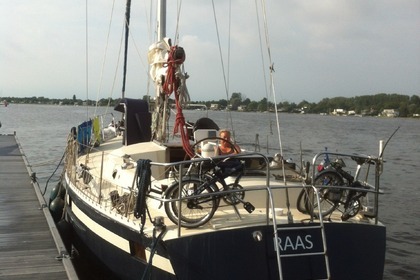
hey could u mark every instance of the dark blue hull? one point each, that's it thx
(355, 251)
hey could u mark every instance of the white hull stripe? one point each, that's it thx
(116, 240)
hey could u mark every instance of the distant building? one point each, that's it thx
(196, 107)
(390, 113)
(339, 112)
(214, 107)
(241, 108)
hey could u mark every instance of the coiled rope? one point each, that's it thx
(143, 173)
(175, 82)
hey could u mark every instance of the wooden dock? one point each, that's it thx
(30, 245)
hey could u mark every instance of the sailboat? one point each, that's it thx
(150, 208)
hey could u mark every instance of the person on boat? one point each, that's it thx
(226, 148)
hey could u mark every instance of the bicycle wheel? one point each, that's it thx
(195, 211)
(329, 197)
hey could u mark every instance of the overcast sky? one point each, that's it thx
(320, 48)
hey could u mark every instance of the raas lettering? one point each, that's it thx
(295, 243)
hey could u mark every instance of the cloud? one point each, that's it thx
(319, 48)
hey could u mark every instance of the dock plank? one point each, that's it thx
(28, 245)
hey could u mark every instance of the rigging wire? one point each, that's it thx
(104, 59)
(150, 35)
(178, 15)
(225, 78)
(125, 23)
(228, 67)
(273, 91)
(87, 55)
(117, 64)
(138, 52)
(228, 48)
(220, 51)
(262, 56)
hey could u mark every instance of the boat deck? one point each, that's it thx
(30, 244)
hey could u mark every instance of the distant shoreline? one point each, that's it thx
(381, 104)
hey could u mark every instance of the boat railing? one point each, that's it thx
(267, 188)
(94, 192)
(269, 209)
(86, 173)
(92, 189)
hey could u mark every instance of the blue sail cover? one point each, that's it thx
(84, 133)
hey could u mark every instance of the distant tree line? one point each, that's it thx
(57, 101)
(367, 104)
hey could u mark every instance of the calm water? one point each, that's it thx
(43, 129)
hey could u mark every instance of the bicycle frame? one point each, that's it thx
(201, 195)
(348, 194)
(218, 174)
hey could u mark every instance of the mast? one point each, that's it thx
(158, 55)
(127, 31)
(167, 71)
(161, 11)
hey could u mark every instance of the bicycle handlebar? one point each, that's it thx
(362, 159)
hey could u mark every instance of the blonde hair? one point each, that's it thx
(224, 131)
